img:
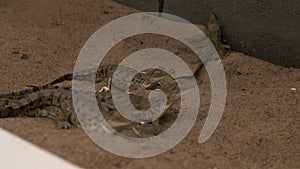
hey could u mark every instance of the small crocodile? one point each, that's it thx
(53, 103)
(214, 32)
(56, 102)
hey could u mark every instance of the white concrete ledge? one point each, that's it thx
(16, 153)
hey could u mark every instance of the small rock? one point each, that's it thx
(24, 56)
(15, 51)
(106, 12)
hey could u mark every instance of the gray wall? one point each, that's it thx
(266, 29)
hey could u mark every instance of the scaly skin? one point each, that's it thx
(55, 104)
(105, 72)
(31, 104)
(21, 93)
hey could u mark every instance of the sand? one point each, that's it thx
(260, 127)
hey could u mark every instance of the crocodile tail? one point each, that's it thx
(66, 77)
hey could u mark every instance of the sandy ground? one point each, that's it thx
(260, 128)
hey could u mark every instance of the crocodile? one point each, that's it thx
(213, 31)
(33, 105)
(215, 35)
(55, 102)
(104, 72)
